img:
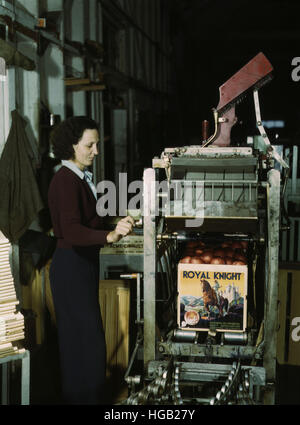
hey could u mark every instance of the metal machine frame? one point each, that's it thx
(241, 189)
(263, 376)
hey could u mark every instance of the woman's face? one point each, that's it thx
(86, 149)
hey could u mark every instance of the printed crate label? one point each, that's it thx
(212, 297)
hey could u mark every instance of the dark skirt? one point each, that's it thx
(74, 282)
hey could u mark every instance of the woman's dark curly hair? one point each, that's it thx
(68, 133)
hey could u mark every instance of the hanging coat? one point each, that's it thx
(20, 200)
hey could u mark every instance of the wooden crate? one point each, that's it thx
(48, 293)
(288, 338)
(115, 303)
(33, 299)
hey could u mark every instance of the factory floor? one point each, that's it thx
(45, 376)
(45, 383)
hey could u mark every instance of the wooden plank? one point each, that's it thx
(110, 329)
(114, 298)
(288, 350)
(48, 293)
(90, 87)
(294, 343)
(38, 307)
(102, 297)
(123, 328)
(76, 81)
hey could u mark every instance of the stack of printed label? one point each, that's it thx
(11, 321)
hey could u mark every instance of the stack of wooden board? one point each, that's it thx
(11, 321)
(114, 297)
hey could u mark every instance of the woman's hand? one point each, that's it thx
(123, 228)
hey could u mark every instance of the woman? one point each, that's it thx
(74, 272)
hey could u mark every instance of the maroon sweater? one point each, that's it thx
(73, 211)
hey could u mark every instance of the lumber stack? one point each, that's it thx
(11, 321)
(114, 298)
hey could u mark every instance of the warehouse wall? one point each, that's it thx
(123, 49)
(130, 59)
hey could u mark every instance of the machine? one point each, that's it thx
(201, 204)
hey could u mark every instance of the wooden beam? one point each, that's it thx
(90, 87)
(72, 81)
